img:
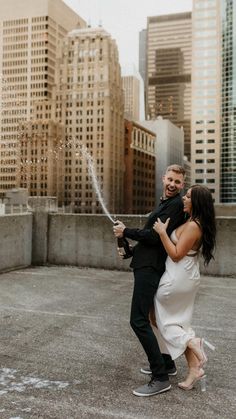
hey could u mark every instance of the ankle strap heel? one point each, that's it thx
(203, 383)
(210, 346)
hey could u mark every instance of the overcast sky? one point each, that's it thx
(123, 19)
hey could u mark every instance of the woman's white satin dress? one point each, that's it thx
(174, 302)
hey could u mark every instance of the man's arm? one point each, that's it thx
(147, 235)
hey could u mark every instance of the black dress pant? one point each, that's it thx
(146, 281)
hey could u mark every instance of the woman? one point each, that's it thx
(174, 300)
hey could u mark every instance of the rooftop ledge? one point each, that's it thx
(41, 237)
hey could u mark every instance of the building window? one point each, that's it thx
(199, 180)
(199, 171)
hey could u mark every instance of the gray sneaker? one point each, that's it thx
(147, 371)
(153, 387)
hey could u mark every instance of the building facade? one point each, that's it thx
(89, 102)
(29, 35)
(142, 54)
(41, 145)
(131, 86)
(140, 163)
(206, 95)
(168, 77)
(169, 148)
(228, 104)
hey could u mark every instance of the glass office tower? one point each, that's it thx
(228, 127)
(206, 95)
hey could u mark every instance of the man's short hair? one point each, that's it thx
(176, 168)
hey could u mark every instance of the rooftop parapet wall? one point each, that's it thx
(87, 240)
(16, 241)
(82, 240)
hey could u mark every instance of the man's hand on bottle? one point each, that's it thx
(121, 252)
(118, 229)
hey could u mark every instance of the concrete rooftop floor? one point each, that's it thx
(67, 350)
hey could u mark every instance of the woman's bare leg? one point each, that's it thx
(191, 358)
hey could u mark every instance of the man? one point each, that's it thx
(148, 264)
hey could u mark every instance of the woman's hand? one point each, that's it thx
(161, 227)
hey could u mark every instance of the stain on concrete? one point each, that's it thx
(12, 380)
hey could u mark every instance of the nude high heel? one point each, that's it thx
(195, 375)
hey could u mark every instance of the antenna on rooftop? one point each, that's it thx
(99, 7)
(89, 13)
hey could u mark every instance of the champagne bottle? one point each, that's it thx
(124, 247)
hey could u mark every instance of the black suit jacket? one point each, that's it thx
(149, 251)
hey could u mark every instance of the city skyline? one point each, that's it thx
(30, 40)
(124, 20)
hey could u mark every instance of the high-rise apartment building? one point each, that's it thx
(89, 101)
(168, 73)
(29, 35)
(206, 95)
(140, 163)
(228, 105)
(131, 86)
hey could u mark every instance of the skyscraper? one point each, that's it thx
(228, 106)
(142, 53)
(206, 95)
(29, 36)
(89, 102)
(168, 77)
(131, 86)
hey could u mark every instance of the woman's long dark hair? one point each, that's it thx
(203, 212)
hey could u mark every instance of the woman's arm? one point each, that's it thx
(189, 236)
